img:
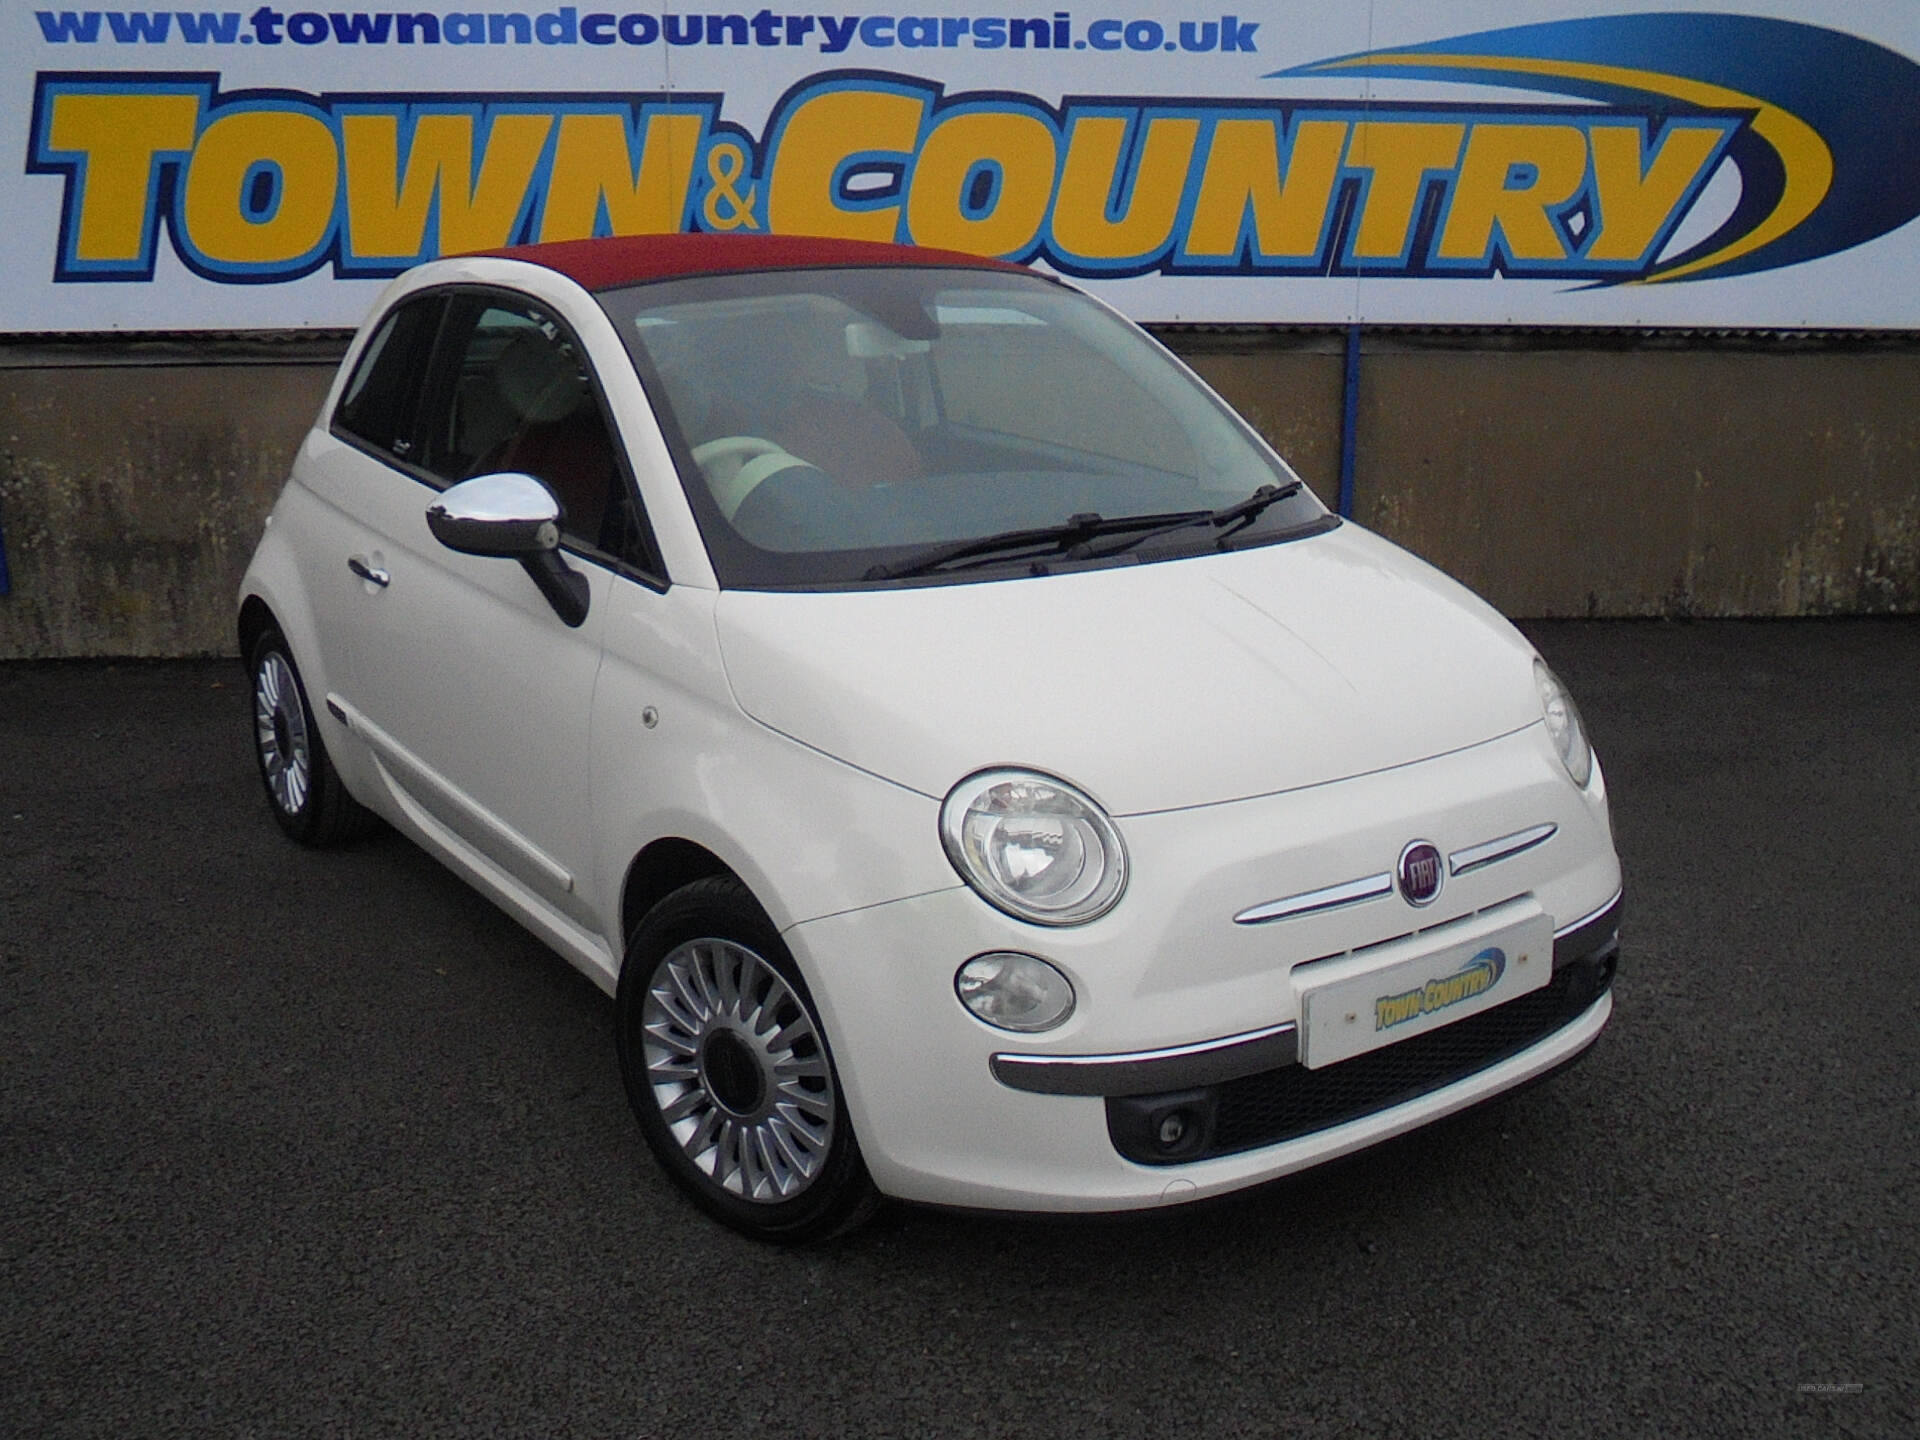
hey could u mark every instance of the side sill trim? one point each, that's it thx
(414, 772)
(1148, 1072)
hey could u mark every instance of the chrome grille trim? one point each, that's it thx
(1351, 892)
(1475, 857)
(1374, 887)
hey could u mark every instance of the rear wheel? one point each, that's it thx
(727, 1068)
(303, 789)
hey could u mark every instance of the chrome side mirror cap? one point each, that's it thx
(512, 516)
(508, 515)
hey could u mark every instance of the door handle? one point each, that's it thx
(368, 573)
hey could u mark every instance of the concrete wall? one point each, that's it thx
(1663, 483)
(1555, 476)
(131, 494)
(1569, 478)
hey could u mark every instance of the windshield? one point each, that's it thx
(857, 426)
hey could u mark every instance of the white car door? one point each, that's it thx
(472, 692)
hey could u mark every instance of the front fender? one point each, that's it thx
(673, 755)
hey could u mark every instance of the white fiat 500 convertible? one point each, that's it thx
(978, 769)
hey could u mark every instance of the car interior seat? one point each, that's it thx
(559, 436)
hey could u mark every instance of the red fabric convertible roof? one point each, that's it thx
(634, 259)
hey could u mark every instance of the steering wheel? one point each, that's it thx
(753, 460)
(737, 448)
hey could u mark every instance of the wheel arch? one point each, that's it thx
(662, 867)
(255, 619)
(273, 594)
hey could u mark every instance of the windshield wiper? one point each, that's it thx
(1047, 539)
(1070, 539)
(1239, 515)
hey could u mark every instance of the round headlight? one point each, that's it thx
(1014, 991)
(1034, 846)
(1563, 725)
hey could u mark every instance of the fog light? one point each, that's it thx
(1014, 991)
(1166, 1129)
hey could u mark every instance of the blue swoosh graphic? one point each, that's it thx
(1830, 160)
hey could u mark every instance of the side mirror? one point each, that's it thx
(513, 517)
(508, 515)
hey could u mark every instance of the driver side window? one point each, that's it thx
(516, 394)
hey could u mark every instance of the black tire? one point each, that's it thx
(304, 791)
(728, 1071)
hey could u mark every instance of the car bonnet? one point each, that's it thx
(1153, 687)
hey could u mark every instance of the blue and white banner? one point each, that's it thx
(1482, 162)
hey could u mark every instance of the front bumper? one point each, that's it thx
(1181, 1004)
(1188, 1118)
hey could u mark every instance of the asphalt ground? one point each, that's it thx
(299, 1143)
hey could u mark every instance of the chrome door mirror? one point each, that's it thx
(507, 514)
(512, 516)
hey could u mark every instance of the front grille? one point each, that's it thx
(1284, 1104)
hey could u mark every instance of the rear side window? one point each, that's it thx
(383, 397)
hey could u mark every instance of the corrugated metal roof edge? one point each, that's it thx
(62, 349)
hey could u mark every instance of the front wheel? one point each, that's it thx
(727, 1068)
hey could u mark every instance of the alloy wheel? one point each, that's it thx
(734, 1061)
(280, 730)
